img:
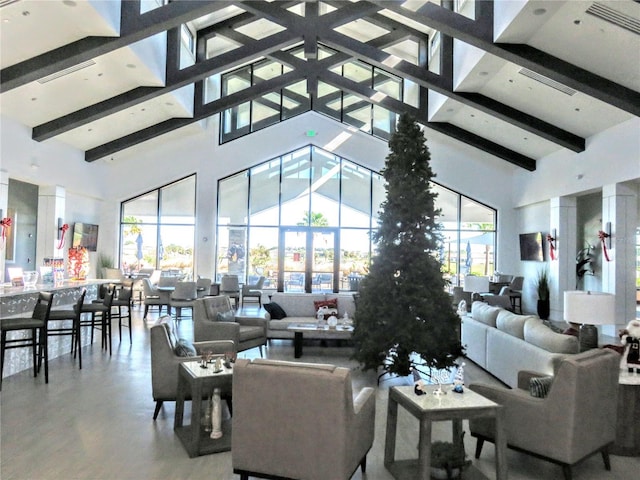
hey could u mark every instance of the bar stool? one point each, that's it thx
(103, 309)
(74, 315)
(37, 325)
(124, 299)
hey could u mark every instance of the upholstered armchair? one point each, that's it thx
(214, 319)
(576, 419)
(304, 415)
(253, 291)
(166, 358)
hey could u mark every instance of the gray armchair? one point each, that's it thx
(314, 430)
(576, 419)
(165, 362)
(253, 291)
(214, 319)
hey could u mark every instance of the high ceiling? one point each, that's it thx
(519, 80)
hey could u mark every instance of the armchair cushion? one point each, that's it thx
(184, 348)
(228, 316)
(275, 311)
(539, 386)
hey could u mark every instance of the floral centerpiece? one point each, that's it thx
(78, 264)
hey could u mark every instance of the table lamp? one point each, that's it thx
(589, 309)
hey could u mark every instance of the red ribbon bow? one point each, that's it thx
(63, 229)
(5, 223)
(602, 235)
(552, 246)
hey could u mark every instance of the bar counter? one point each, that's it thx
(20, 301)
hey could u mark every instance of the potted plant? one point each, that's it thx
(448, 460)
(542, 289)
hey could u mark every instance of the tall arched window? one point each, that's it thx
(304, 221)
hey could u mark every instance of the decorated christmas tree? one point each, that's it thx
(404, 318)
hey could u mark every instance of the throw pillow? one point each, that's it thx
(330, 303)
(184, 348)
(539, 386)
(228, 316)
(275, 311)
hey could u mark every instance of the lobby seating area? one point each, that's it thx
(113, 418)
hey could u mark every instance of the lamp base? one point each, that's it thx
(588, 337)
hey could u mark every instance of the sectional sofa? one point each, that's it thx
(503, 343)
(300, 308)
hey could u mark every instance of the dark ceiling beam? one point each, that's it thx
(420, 115)
(204, 111)
(474, 33)
(439, 84)
(180, 78)
(138, 26)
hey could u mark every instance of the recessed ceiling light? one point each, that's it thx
(89, 129)
(577, 21)
(131, 65)
(511, 80)
(26, 13)
(33, 99)
(449, 110)
(483, 74)
(168, 104)
(100, 74)
(472, 116)
(69, 3)
(577, 109)
(525, 138)
(540, 11)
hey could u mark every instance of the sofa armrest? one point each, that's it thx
(219, 331)
(252, 322)
(364, 401)
(362, 430)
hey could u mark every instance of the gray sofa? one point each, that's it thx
(299, 308)
(503, 343)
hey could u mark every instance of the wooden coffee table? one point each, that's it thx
(429, 408)
(312, 331)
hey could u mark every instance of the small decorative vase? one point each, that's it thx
(216, 415)
(544, 308)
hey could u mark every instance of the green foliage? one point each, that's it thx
(542, 284)
(404, 317)
(314, 219)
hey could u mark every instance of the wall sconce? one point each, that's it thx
(605, 239)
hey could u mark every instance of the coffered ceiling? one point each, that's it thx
(519, 80)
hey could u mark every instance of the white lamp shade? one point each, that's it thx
(592, 308)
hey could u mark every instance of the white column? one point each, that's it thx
(619, 207)
(562, 270)
(51, 207)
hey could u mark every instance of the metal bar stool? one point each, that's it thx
(74, 315)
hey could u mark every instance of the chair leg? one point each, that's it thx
(260, 347)
(479, 444)
(363, 464)
(157, 409)
(605, 458)
(146, 311)
(3, 341)
(566, 469)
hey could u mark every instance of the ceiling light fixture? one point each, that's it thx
(540, 11)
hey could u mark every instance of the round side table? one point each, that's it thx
(628, 425)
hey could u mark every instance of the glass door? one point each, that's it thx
(308, 260)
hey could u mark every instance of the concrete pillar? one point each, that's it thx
(562, 270)
(619, 208)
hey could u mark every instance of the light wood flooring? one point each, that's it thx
(96, 423)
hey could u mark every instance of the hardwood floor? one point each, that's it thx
(96, 423)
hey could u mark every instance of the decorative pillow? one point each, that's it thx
(228, 316)
(184, 348)
(275, 311)
(330, 303)
(539, 386)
